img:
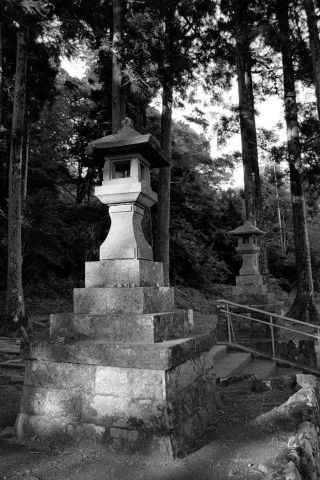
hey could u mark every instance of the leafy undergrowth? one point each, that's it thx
(204, 307)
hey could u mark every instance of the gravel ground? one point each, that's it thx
(237, 448)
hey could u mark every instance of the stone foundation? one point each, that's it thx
(117, 372)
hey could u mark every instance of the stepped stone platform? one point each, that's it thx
(122, 378)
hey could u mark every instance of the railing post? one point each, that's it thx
(229, 323)
(272, 337)
(317, 349)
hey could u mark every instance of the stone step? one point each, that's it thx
(232, 364)
(9, 345)
(148, 327)
(219, 351)
(13, 363)
(261, 369)
(130, 300)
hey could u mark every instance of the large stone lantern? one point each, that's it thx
(126, 189)
(125, 255)
(249, 280)
(124, 367)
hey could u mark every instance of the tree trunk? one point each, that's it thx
(25, 157)
(163, 219)
(117, 104)
(252, 184)
(303, 307)
(3, 162)
(1, 72)
(15, 307)
(314, 47)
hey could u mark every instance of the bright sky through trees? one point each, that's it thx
(270, 113)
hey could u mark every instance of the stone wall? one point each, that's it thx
(303, 410)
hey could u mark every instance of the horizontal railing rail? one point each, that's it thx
(274, 315)
(225, 307)
(313, 335)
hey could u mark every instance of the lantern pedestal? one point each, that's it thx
(117, 372)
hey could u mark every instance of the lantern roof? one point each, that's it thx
(128, 140)
(246, 229)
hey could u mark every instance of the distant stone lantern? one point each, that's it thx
(126, 188)
(249, 279)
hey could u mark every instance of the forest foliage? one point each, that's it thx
(63, 224)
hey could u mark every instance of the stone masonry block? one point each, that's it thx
(123, 300)
(124, 327)
(40, 373)
(59, 428)
(28, 425)
(123, 412)
(123, 273)
(51, 402)
(187, 373)
(130, 382)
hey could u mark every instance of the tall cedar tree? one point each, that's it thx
(1, 72)
(3, 163)
(117, 103)
(15, 307)
(303, 307)
(252, 186)
(314, 47)
(249, 147)
(162, 243)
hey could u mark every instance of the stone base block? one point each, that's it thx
(121, 405)
(149, 328)
(263, 301)
(250, 290)
(100, 301)
(123, 273)
(250, 281)
(163, 355)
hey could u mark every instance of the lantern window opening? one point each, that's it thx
(143, 172)
(120, 169)
(245, 240)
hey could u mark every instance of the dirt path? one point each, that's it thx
(237, 450)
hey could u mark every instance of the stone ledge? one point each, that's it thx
(148, 327)
(164, 355)
(123, 300)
